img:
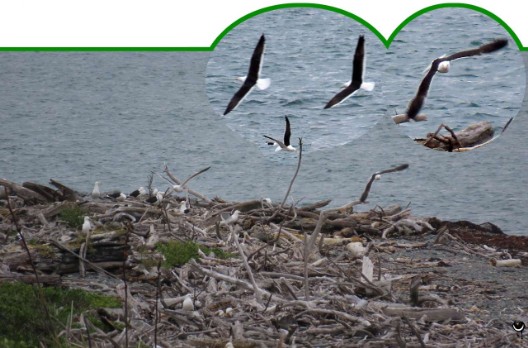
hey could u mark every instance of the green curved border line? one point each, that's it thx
(386, 42)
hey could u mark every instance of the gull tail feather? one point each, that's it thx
(367, 86)
(263, 84)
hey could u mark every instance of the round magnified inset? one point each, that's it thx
(285, 66)
(455, 79)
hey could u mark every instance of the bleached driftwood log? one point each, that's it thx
(473, 135)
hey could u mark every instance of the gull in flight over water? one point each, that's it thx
(439, 65)
(252, 79)
(283, 145)
(358, 70)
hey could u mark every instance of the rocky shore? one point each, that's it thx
(195, 271)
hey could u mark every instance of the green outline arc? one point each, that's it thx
(386, 42)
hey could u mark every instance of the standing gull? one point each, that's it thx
(96, 192)
(358, 70)
(252, 79)
(439, 64)
(280, 145)
(86, 226)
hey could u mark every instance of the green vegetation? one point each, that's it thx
(24, 322)
(178, 253)
(73, 216)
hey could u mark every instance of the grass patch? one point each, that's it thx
(25, 325)
(73, 216)
(178, 253)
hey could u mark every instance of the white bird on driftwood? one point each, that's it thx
(86, 226)
(231, 219)
(96, 192)
(188, 304)
(184, 207)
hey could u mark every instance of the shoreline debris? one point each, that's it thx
(277, 275)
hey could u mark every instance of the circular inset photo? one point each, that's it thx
(298, 73)
(454, 79)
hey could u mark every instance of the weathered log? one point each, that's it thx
(45, 279)
(29, 196)
(316, 205)
(46, 192)
(475, 134)
(49, 258)
(67, 193)
(54, 209)
(429, 315)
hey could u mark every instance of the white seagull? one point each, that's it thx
(283, 145)
(139, 193)
(188, 304)
(96, 192)
(86, 226)
(184, 207)
(417, 102)
(229, 219)
(252, 79)
(358, 70)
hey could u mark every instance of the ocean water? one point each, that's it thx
(309, 56)
(117, 117)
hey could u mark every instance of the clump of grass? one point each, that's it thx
(178, 253)
(23, 325)
(73, 216)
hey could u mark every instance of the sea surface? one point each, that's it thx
(117, 117)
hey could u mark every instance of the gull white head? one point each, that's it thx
(444, 66)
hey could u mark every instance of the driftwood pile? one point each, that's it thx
(474, 136)
(300, 276)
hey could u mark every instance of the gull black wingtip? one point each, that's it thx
(494, 45)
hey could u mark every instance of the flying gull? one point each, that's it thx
(377, 176)
(358, 70)
(252, 79)
(438, 64)
(495, 45)
(286, 144)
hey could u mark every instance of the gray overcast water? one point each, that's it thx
(79, 117)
